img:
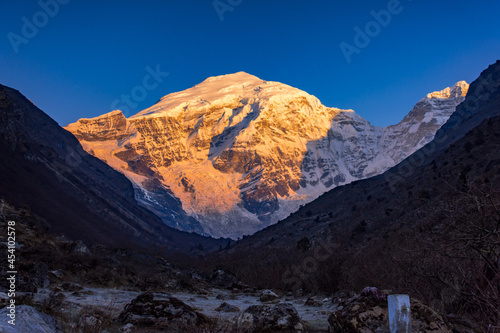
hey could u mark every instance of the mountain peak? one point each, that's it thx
(238, 76)
(224, 90)
(459, 89)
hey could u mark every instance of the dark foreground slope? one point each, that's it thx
(43, 167)
(429, 226)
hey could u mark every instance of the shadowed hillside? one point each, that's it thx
(429, 226)
(44, 168)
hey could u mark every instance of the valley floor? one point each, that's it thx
(113, 301)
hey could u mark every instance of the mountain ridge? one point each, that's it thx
(261, 148)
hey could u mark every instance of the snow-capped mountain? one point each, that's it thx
(235, 153)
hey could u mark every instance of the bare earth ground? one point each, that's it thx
(113, 301)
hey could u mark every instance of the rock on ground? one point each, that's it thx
(223, 279)
(226, 307)
(368, 313)
(160, 311)
(28, 319)
(270, 318)
(317, 301)
(268, 296)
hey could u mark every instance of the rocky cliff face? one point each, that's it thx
(235, 153)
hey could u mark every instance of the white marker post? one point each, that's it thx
(399, 313)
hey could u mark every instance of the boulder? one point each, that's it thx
(28, 319)
(270, 318)
(68, 287)
(368, 313)
(223, 279)
(41, 297)
(49, 299)
(80, 248)
(268, 296)
(127, 328)
(90, 321)
(160, 311)
(316, 301)
(342, 296)
(374, 293)
(58, 273)
(226, 307)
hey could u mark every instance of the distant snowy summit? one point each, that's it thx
(458, 90)
(235, 153)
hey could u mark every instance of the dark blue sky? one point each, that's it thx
(90, 53)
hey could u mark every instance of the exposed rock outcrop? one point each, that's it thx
(368, 313)
(160, 311)
(267, 318)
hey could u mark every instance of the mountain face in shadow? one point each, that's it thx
(428, 226)
(45, 168)
(235, 153)
(480, 108)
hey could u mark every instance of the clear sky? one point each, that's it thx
(78, 60)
